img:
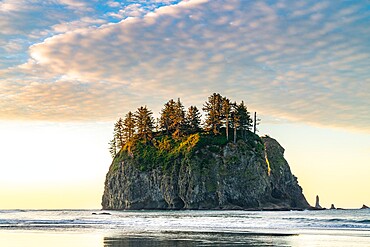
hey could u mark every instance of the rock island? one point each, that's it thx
(177, 163)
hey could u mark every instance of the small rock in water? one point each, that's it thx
(333, 207)
(364, 207)
(104, 213)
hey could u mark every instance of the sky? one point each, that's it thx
(70, 68)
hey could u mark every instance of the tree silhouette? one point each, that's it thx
(213, 110)
(175, 121)
(193, 120)
(112, 148)
(245, 121)
(144, 123)
(118, 134)
(172, 119)
(129, 126)
(178, 119)
(226, 110)
(235, 119)
(256, 122)
(166, 120)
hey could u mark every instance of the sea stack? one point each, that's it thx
(317, 204)
(206, 174)
(332, 206)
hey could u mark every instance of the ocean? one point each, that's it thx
(183, 228)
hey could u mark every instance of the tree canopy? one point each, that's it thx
(220, 115)
(213, 110)
(144, 123)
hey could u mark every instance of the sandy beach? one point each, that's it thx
(184, 228)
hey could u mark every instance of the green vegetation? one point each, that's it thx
(178, 134)
(164, 151)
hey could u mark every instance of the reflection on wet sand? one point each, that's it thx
(200, 239)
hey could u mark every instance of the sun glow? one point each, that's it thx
(52, 165)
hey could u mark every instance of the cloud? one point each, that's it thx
(73, 100)
(303, 61)
(132, 10)
(113, 4)
(22, 17)
(84, 22)
(136, 8)
(7, 6)
(21, 25)
(74, 3)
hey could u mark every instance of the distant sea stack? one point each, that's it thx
(201, 171)
(317, 203)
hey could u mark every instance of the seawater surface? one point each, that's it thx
(184, 228)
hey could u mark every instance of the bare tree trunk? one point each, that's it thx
(255, 123)
(227, 128)
(234, 134)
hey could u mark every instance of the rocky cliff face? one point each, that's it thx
(250, 174)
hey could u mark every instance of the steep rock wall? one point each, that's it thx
(233, 176)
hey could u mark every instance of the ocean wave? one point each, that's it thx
(225, 221)
(364, 221)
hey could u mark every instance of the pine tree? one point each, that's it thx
(226, 109)
(112, 148)
(118, 134)
(172, 119)
(256, 122)
(129, 126)
(193, 120)
(166, 121)
(235, 120)
(144, 123)
(178, 119)
(213, 109)
(245, 120)
(157, 124)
